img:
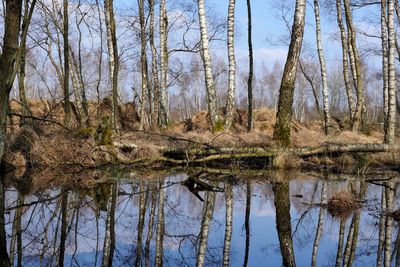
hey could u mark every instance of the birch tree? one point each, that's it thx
(143, 63)
(385, 72)
(230, 104)
(286, 91)
(355, 66)
(160, 228)
(228, 223)
(391, 114)
(113, 60)
(322, 63)
(164, 114)
(209, 79)
(345, 60)
(154, 70)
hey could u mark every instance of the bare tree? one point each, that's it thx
(164, 114)
(325, 90)
(230, 104)
(391, 115)
(210, 86)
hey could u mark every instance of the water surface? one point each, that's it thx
(178, 222)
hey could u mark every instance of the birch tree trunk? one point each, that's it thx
(164, 110)
(228, 225)
(109, 239)
(385, 71)
(345, 48)
(67, 102)
(154, 67)
(391, 116)
(143, 63)
(209, 79)
(322, 63)
(382, 223)
(356, 66)
(140, 226)
(150, 230)
(251, 63)
(340, 243)
(320, 227)
(230, 104)
(113, 60)
(389, 192)
(286, 91)
(208, 211)
(160, 227)
(21, 75)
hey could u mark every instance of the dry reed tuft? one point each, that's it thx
(286, 161)
(342, 204)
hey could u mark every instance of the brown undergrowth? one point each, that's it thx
(48, 144)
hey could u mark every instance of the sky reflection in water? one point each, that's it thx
(88, 211)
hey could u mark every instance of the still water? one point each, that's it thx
(272, 220)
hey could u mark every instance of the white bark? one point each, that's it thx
(319, 227)
(208, 211)
(344, 40)
(325, 90)
(228, 223)
(164, 114)
(389, 220)
(385, 71)
(209, 79)
(160, 227)
(391, 117)
(230, 105)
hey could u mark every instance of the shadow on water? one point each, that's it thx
(200, 219)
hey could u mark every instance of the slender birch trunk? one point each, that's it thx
(154, 67)
(382, 223)
(391, 116)
(113, 60)
(389, 192)
(345, 60)
(322, 63)
(340, 243)
(385, 71)
(21, 75)
(164, 109)
(143, 63)
(228, 225)
(67, 102)
(150, 231)
(356, 66)
(160, 229)
(230, 104)
(109, 239)
(208, 211)
(286, 91)
(140, 226)
(209, 79)
(251, 71)
(319, 227)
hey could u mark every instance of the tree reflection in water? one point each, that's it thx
(206, 221)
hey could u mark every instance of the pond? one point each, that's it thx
(279, 219)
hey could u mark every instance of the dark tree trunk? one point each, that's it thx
(286, 91)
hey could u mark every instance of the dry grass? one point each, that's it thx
(287, 161)
(342, 204)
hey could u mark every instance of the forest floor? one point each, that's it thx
(48, 145)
